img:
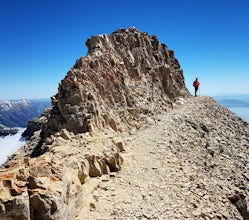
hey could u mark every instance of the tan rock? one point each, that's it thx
(118, 142)
(178, 164)
(65, 134)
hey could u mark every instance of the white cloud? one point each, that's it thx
(9, 144)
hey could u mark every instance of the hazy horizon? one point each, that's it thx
(41, 40)
(192, 92)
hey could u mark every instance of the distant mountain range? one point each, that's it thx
(231, 101)
(18, 113)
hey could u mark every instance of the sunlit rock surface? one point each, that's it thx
(124, 111)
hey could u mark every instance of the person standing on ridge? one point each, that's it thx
(196, 84)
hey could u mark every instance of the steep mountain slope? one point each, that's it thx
(125, 105)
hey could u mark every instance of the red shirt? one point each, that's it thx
(196, 83)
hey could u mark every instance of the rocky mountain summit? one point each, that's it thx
(124, 74)
(125, 139)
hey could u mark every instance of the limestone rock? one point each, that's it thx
(123, 70)
(33, 125)
(119, 144)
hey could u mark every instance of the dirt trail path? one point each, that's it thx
(154, 182)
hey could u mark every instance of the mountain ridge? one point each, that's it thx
(182, 156)
(179, 166)
(124, 110)
(233, 103)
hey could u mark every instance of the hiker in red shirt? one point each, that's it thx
(196, 84)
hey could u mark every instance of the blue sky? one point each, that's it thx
(40, 40)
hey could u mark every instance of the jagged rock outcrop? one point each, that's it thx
(123, 75)
(50, 186)
(34, 125)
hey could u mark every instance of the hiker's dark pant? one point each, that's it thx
(196, 89)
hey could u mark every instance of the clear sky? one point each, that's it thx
(40, 40)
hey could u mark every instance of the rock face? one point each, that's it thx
(123, 75)
(50, 186)
(34, 125)
(127, 99)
